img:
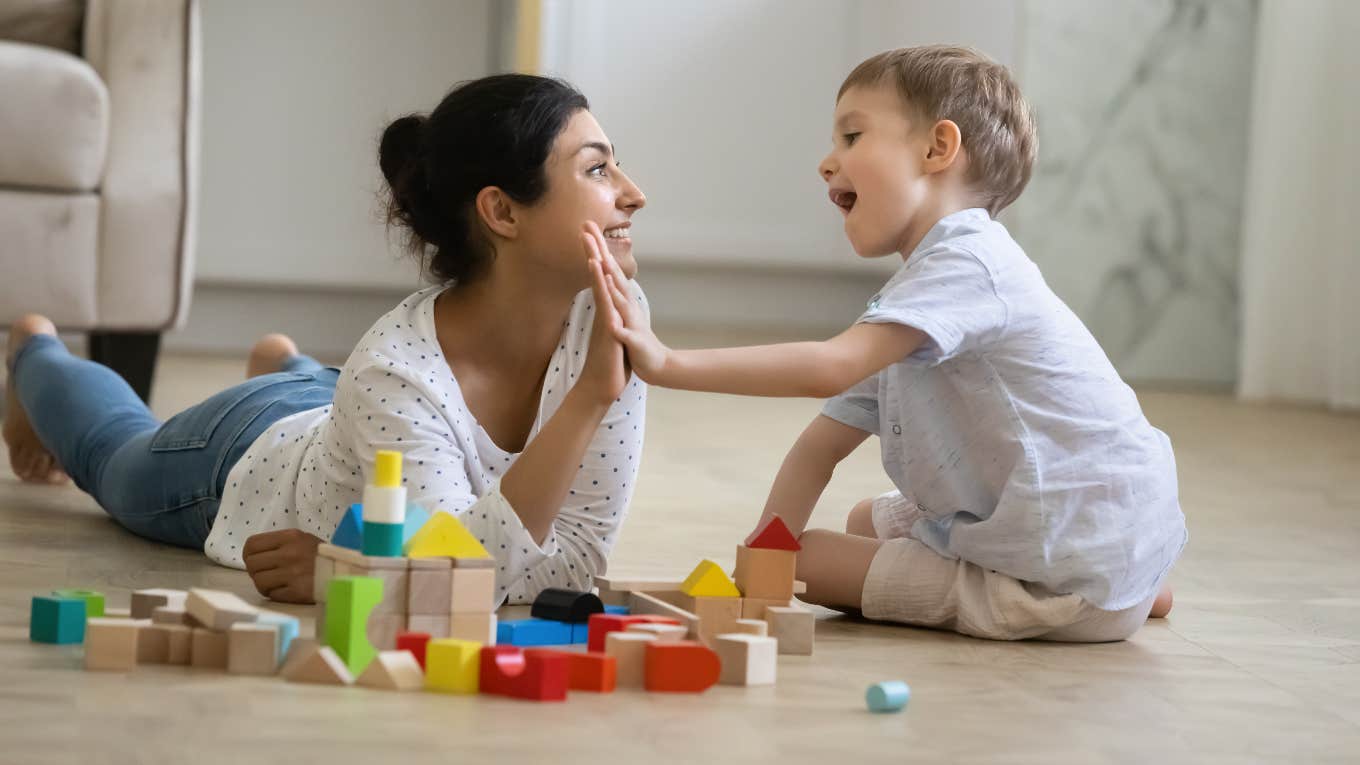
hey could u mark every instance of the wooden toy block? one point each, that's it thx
(666, 633)
(178, 641)
(765, 573)
(600, 625)
(300, 649)
(434, 625)
(349, 533)
(533, 674)
(393, 671)
(340, 554)
(595, 672)
(563, 605)
(415, 643)
(111, 643)
(322, 573)
(209, 649)
(746, 659)
(56, 620)
(793, 627)
(318, 664)
(396, 590)
(349, 603)
(640, 603)
(94, 601)
(753, 627)
(153, 644)
(385, 497)
(444, 536)
(708, 580)
(287, 625)
(464, 562)
(382, 539)
(479, 627)
(430, 587)
(629, 650)
(253, 649)
(773, 534)
(218, 610)
(144, 602)
(716, 615)
(683, 667)
(170, 615)
(453, 666)
(637, 584)
(888, 696)
(473, 590)
(754, 608)
(382, 630)
(533, 632)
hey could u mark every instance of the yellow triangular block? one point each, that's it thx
(444, 536)
(707, 580)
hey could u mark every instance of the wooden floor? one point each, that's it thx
(1259, 662)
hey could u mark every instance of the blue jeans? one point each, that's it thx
(162, 481)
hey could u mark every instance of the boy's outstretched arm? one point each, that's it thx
(807, 469)
(808, 369)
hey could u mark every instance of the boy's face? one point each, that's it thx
(874, 169)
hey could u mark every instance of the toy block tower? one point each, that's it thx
(384, 512)
(710, 595)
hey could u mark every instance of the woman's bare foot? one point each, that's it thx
(269, 354)
(1162, 605)
(27, 456)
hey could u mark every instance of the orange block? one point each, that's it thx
(591, 672)
(684, 666)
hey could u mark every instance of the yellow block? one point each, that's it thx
(444, 536)
(707, 580)
(387, 471)
(453, 666)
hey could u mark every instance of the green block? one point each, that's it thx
(94, 601)
(349, 601)
(383, 539)
(56, 620)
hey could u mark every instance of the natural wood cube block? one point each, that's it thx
(144, 602)
(430, 588)
(382, 630)
(209, 649)
(434, 625)
(794, 627)
(253, 649)
(480, 628)
(111, 643)
(473, 591)
(746, 659)
(764, 573)
(717, 615)
(754, 608)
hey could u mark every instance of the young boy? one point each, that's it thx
(1033, 498)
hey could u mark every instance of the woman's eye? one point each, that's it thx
(598, 170)
(850, 138)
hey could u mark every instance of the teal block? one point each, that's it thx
(416, 516)
(888, 696)
(287, 626)
(382, 539)
(94, 601)
(57, 620)
(350, 532)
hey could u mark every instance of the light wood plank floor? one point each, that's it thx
(1259, 662)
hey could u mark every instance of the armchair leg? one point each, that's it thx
(130, 354)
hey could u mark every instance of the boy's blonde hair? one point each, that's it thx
(940, 82)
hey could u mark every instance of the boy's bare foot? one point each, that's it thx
(269, 354)
(29, 459)
(1162, 605)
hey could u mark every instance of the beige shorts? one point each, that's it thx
(910, 583)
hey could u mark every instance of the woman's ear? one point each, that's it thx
(497, 212)
(945, 143)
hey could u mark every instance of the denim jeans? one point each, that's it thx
(162, 481)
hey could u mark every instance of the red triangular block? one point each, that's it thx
(773, 535)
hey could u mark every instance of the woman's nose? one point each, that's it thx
(631, 197)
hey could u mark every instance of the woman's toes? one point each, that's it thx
(269, 354)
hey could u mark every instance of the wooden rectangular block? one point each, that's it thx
(144, 602)
(383, 628)
(253, 649)
(208, 649)
(434, 625)
(111, 643)
(170, 615)
(217, 609)
(717, 615)
(476, 627)
(665, 633)
(179, 642)
(430, 587)
(754, 608)
(753, 627)
(322, 573)
(629, 650)
(473, 591)
(153, 644)
(647, 603)
(746, 659)
(764, 573)
(794, 627)
(395, 589)
(637, 584)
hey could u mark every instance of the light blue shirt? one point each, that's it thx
(1011, 429)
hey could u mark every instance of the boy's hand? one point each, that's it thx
(282, 563)
(646, 354)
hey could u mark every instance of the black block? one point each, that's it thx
(563, 605)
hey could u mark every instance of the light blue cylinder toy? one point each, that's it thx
(889, 696)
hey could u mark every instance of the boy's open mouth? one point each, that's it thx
(843, 199)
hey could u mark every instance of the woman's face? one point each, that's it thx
(584, 184)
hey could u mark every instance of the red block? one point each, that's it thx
(773, 535)
(685, 666)
(415, 643)
(535, 674)
(603, 624)
(591, 672)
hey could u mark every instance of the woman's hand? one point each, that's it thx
(606, 372)
(282, 564)
(646, 354)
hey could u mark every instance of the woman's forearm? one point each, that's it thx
(536, 485)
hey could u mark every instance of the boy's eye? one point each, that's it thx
(850, 138)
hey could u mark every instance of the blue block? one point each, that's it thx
(416, 516)
(56, 620)
(288, 629)
(617, 610)
(531, 632)
(350, 532)
(580, 633)
(888, 696)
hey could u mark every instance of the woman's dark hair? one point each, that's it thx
(494, 131)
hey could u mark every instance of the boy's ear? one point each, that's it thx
(944, 146)
(497, 212)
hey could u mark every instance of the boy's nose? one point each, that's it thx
(826, 169)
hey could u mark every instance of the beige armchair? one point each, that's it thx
(98, 170)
